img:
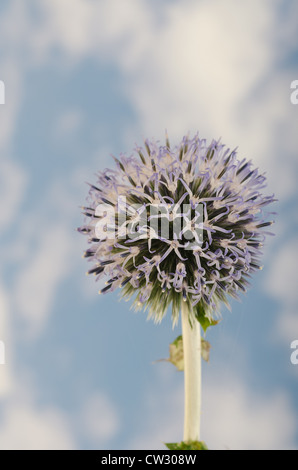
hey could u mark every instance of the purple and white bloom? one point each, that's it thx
(177, 225)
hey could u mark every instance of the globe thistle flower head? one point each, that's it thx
(171, 225)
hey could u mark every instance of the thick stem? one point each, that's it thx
(191, 335)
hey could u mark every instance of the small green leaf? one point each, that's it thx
(190, 445)
(176, 353)
(205, 349)
(204, 321)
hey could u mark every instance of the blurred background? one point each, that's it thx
(85, 79)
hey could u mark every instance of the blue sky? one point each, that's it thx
(87, 79)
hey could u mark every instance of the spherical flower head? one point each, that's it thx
(177, 225)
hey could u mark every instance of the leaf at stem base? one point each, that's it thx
(190, 445)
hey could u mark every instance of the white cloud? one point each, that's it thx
(71, 35)
(99, 419)
(12, 77)
(185, 66)
(12, 188)
(96, 27)
(281, 284)
(211, 66)
(39, 278)
(6, 379)
(23, 425)
(237, 418)
(282, 279)
(26, 428)
(188, 65)
(48, 248)
(162, 421)
(233, 417)
(196, 70)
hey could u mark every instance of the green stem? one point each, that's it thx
(191, 335)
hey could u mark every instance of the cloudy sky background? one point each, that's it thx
(89, 78)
